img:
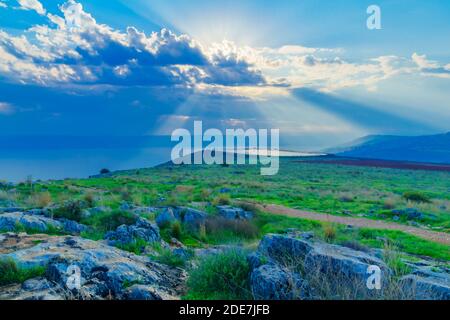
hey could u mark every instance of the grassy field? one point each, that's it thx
(374, 193)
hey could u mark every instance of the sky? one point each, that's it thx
(310, 68)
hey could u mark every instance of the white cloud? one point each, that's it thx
(74, 48)
(3, 5)
(32, 5)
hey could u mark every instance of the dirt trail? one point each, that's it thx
(440, 237)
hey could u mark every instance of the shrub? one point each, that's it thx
(416, 196)
(329, 232)
(11, 273)
(224, 276)
(137, 246)
(108, 221)
(205, 194)
(89, 198)
(105, 171)
(71, 210)
(175, 230)
(222, 200)
(40, 200)
(166, 256)
(218, 229)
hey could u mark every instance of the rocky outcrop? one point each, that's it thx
(105, 272)
(142, 229)
(295, 267)
(427, 283)
(191, 218)
(14, 220)
(271, 282)
(166, 217)
(287, 267)
(234, 213)
(34, 220)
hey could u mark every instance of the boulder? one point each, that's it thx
(234, 213)
(73, 227)
(105, 271)
(271, 282)
(166, 218)
(193, 219)
(142, 229)
(343, 271)
(11, 221)
(426, 283)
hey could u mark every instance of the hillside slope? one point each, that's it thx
(432, 148)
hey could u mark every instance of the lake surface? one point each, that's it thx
(16, 165)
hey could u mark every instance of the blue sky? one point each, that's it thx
(310, 68)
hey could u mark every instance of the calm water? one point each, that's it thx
(16, 165)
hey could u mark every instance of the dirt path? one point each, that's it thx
(440, 237)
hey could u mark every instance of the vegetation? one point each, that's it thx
(224, 276)
(11, 273)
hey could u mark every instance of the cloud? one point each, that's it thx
(75, 48)
(431, 68)
(3, 5)
(34, 5)
(6, 108)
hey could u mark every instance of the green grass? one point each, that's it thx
(224, 276)
(330, 189)
(11, 273)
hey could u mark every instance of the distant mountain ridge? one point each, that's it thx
(429, 148)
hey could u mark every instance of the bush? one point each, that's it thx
(175, 230)
(89, 198)
(416, 196)
(224, 276)
(40, 200)
(11, 273)
(329, 232)
(71, 210)
(105, 171)
(108, 221)
(166, 256)
(222, 200)
(219, 229)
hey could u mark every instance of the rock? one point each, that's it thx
(278, 248)
(270, 282)
(344, 265)
(426, 282)
(142, 229)
(73, 227)
(36, 284)
(192, 218)
(38, 212)
(426, 288)
(125, 206)
(11, 209)
(343, 270)
(142, 292)
(11, 221)
(183, 253)
(165, 218)
(234, 213)
(105, 271)
(409, 213)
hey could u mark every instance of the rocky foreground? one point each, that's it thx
(283, 267)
